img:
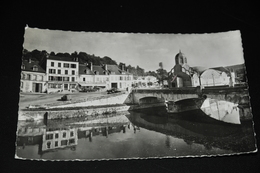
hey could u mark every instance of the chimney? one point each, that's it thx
(123, 67)
(91, 66)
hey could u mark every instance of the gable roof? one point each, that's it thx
(28, 66)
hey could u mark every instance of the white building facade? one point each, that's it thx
(61, 73)
(33, 78)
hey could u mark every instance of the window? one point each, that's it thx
(56, 143)
(59, 71)
(56, 135)
(64, 135)
(52, 64)
(73, 79)
(73, 66)
(23, 66)
(66, 71)
(49, 144)
(28, 76)
(71, 134)
(66, 78)
(59, 78)
(73, 72)
(84, 79)
(35, 68)
(64, 142)
(66, 65)
(52, 71)
(72, 141)
(59, 64)
(21, 84)
(49, 136)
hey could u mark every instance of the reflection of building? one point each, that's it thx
(61, 73)
(32, 77)
(62, 138)
(101, 130)
(27, 135)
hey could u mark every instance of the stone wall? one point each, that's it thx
(75, 113)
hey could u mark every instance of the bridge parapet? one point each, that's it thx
(174, 94)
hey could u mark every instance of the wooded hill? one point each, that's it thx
(83, 57)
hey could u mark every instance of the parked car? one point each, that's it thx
(113, 90)
(66, 97)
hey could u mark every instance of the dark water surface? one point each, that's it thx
(132, 135)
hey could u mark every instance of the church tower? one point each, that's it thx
(180, 58)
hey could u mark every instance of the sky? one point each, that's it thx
(144, 50)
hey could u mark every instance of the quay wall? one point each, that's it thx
(117, 99)
(74, 113)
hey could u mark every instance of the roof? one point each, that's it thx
(221, 69)
(99, 69)
(113, 68)
(59, 58)
(28, 66)
(199, 69)
(237, 67)
(84, 69)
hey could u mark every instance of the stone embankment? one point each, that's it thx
(78, 108)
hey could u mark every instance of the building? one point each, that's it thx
(119, 78)
(180, 75)
(104, 76)
(33, 78)
(211, 77)
(93, 76)
(145, 81)
(61, 73)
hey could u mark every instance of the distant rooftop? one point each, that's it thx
(59, 58)
(32, 65)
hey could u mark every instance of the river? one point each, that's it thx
(145, 134)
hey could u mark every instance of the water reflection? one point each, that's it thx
(136, 134)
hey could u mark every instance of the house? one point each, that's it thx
(33, 78)
(61, 73)
(104, 76)
(92, 76)
(119, 77)
(145, 81)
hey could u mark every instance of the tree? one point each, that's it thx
(161, 75)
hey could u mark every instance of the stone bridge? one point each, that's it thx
(237, 95)
(143, 96)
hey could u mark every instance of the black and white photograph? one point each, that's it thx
(90, 96)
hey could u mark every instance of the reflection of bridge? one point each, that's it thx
(208, 133)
